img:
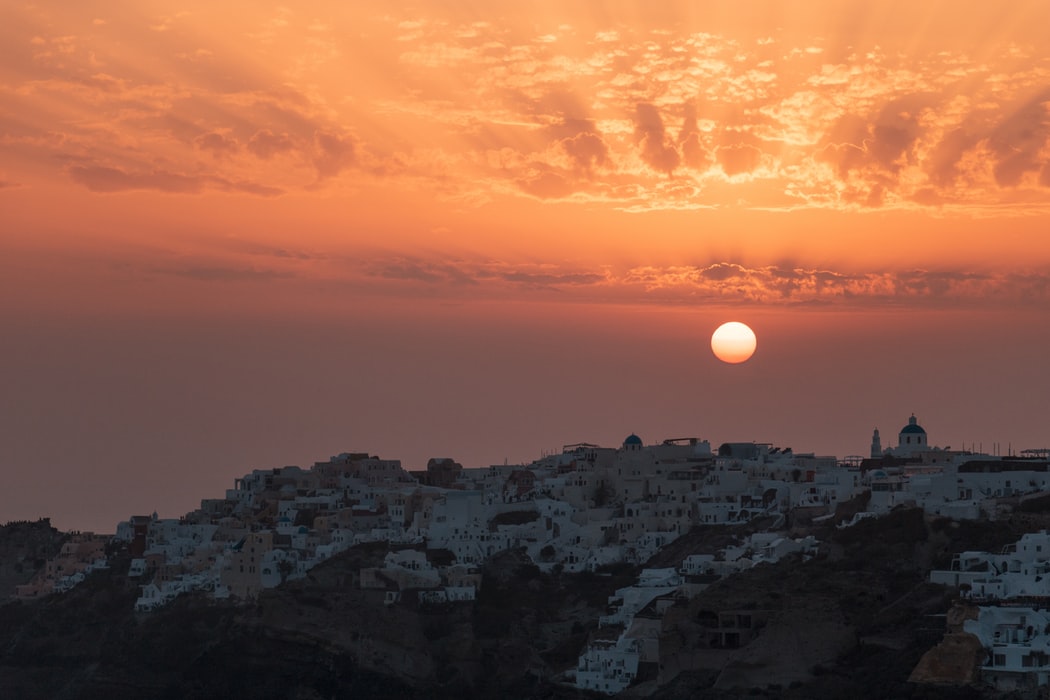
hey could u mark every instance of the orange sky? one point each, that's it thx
(503, 177)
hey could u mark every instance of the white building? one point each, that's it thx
(1021, 570)
(630, 599)
(609, 666)
(1017, 642)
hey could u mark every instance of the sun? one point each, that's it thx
(733, 342)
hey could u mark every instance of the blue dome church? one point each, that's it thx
(912, 437)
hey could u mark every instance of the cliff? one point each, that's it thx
(24, 547)
(317, 637)
(955, 660)
(855, 621)
(859, 621)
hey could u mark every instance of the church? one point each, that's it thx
(910, 441)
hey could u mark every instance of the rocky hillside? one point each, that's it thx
(320, 637)
(24, 547)
(853, 622)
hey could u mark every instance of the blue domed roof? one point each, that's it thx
(912, 426)
(632, 439)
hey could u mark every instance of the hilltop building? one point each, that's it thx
(912, 437)
(911, 441)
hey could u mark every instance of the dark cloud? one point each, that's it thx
(218, 144)
(180, 128)
(652, 137)
(574, 131)
(776, 284)
(475, 273)
(250, 247)
(285, 116)
(843, 146)
(1020, 140)
(849, 128)
(245, 186)
(877, 196)
(724, 281)
(889, 144)
(333, 153)
(266, 144)
(546, 182)
(587, 150)
(565, 105)
(722, 271)
(582, 142)
(870, 152)
(221, 273)
(942, 165)
(550, 280)
(104, 82)
(895, 130)
(843, 156)
(694, 154)
(104, 179)
(423, 271)
(876, 149)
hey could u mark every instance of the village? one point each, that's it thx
(582, 509)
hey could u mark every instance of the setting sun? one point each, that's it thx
(733, 342)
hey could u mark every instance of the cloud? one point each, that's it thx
(843, 156)
(266, 144)
(245, 186)
(551, 280)
(411, 270)
(218, 144)
(896, 129)
(950, 127)
(944, 162)
(657, 151)
(546, 182)
(582, 143)
(694, 154)
(722, 271)
(1021, 141)
(222, 273)
(777, 285)
(332, 153)
(105, 179)
(255, 248)
(723, 282)
(102, 179)
(489, 273)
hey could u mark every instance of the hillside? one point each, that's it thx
(853, 622)
(24, 547)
